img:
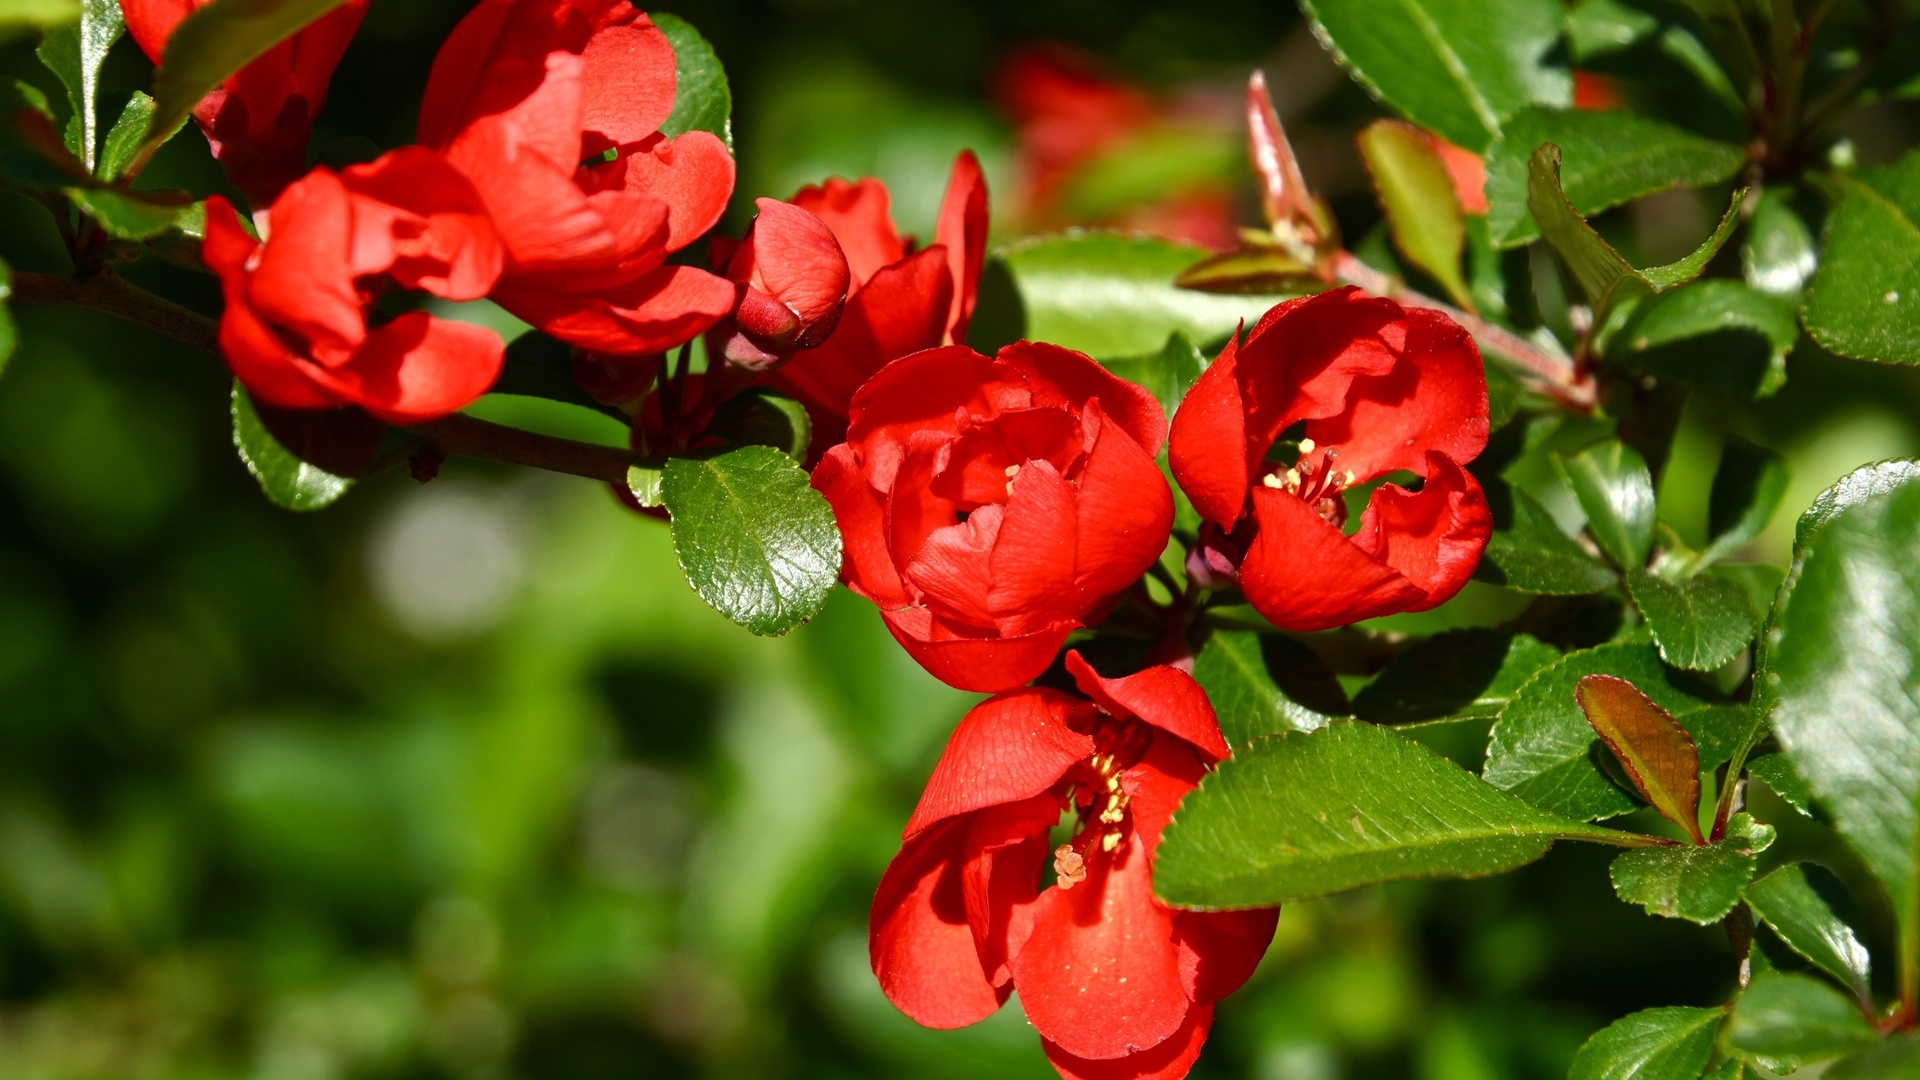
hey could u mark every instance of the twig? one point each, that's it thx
(108, 292)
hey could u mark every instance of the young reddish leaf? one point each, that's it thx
(1657, 752)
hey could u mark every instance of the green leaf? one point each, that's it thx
(647, 481)
(1252, 271)
(9, 337)
(1779, 254)
(1865, 298)
(1731, 1069)
(1168, 373)
(1298, 815)
(1894, 1059)
(756, 542)
(1437, 64)
(539, 366)
(702, 100)
(1789, 900)
(1699, 623)
(1716, 334)
(1610, 157)
(214, 42)
(1844, 679)
(1654, 1044)
(137, 215)
(123, 141)
(1657, 753)
(1108, 294)
(1776, 771)
(1616, 491)
(1698, 884)
(75, 53)
(24, 15)
(1747, 489)
(1533, 555)
(1262, 684)
(762, 417)
(1784, 1021)
(1856, 487)
(1458, 675)
(287, 481)
(1417, 194)
(1542, 748)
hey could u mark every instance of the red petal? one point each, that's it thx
(256, 355)
(419, 368)
(150, 22)
(1008, 851)
(692, 174)
(1171, 1060)
(919, 940)
(962, 231)
(1433, 537)
(1219, 950)
(1207, 450)
(1304, 574)
(794, 257)
(857, 214)
(1125, 512)
(447, 245)
(1030, 582)
(1435, 398)
(1156, 784)
(869, 568)
(664, 309)
(499, 56)
(303, 278)
(1163, 696)
(920, 511)
(1062, 376)
(953, 567)
(1302, 358)
(924, 392)
(1466, 170)
(628, 85)
(547, 223)
(983, 665)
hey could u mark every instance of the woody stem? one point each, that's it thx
(454, 436)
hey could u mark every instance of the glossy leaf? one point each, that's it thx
(1542, 748)
(1168, 373)
(1656, 751)
(1301, 815)
(1856, 487)
(1458, 675)
(647, 482)
(1533, 555)
(1784, 1021)
(756, 542)
(214, 42)
(703, 100)
(123, 139)
(1864, 301)
(1262, 684)
(74, 54)
(1789, 900)
(1699, 623)
(1776, 771)
(1778, 255)
(1417, 194)
(1436, 62)
(1697, 883)
(287, 481)
(1653, 1044)
(1616, 491)
(1716, 334)
(1609, 158)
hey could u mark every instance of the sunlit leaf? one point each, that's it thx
(1654, 1044)
(1789, 900)
(1261, 684)
(1657, 752)
(1697, 883)
(1417, 193)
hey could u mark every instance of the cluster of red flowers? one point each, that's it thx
(991, 507)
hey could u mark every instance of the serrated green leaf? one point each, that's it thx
(1776, 771)
(123, 140)
(1779, 253)
(1784, 1021)
(1616, 491)
(1716, 334)
(762, 417)
(74, 54)
(702, 100)
(1458, 675)
(1437, 64)
(1417, 194)
(1699, 623)
(1542, 748)
(1864, 301)
(1609, 158)
(288, 482)
(1856, 487)
(1262, 684)
(136, 215)
(1698, 884)
(1533, 555)
(1168, 373)
(756, 542)
(1299, 815)
(1789, 900)
(1654, 1044)
(1747, 489)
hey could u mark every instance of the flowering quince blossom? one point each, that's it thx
(1117, 984)
(261, 118)
(991, 506)
(793, 282)
(552, 110)
(1381, 388)
(295, 327)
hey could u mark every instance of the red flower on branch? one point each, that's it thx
(1118, 985)
(295, 329)
(1379, 389)
(793, 283)
(552, 109)
(992, 506)
(261, 118)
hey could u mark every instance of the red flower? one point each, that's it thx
(793, 282)
(525, 91)
(1117, 984)
(295, 327)
(990, 507)
(259, 121)
(901, 301)
(1381, 388)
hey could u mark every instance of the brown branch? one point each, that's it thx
(456, 435)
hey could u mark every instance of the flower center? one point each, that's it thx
(1314, 480)
(1101, 798)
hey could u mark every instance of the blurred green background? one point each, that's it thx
(463, 780)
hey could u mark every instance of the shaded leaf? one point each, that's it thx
(1697, 883)
(1897, 1057)
(1699, 623)
(1776, 771)
(214, 42)
(1458, 675)
(1616, 492)
(762, 417)
(1653, 1044)
(1784, 1021)
(1417, 194)
(1168, 373)
(9, 337)
(1716, 334)
(123, 140)
(1533, 555)
(74, 54)
(703, 100)
(1789, 900)
(287, 481)
(1747, 489)
(1864, 301)
(1657, 752)
(539, 366)
(1261, 684)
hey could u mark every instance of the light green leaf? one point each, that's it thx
(1865, 298)
(1779, 254)
(702, 100)
(1784, 1021)
(214, 42)
(1716, 334)
(1417, 194)
(1168, 373)
(1789, 901)
(1458, 675)
(1436, 62)
(17, 16)
(1261, 684)
(75, 53)
(1895, 1059)
(1298, 815)
(756, 542)
(647, 481)
(1533, 555)
(136, 215)
(1654, 1044)
(123, 141)
(1616, 491)
(1698, 884)
(287, 481)
(1542, 746)
(1699, 623)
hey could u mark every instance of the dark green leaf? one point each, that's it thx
(136, 215)
(756, 542)
(1897, 1058)
(1436, 62)
(9, 338)
(762, 417)
(1417, 193)
(539, 366)
(1261, 684)
(1299, 815)
(1698, 884)
(31, 151)
(1654, 1044)
(1533, 555)
(1778, 255)
(1857, 486)
(1789, 900)
(702, 99)
(1844, 675)
(1747, 489)
(123, 141)
(75, 53)
(1716, 334)
(1168, 373)
(214, 42)
(1699, 623)
(1776, 771)
(1784, 1021)
(1865, 298)
(1616, 491)
(288, 482)
(1543, 749)
(1458, 675)
(1610, 157)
